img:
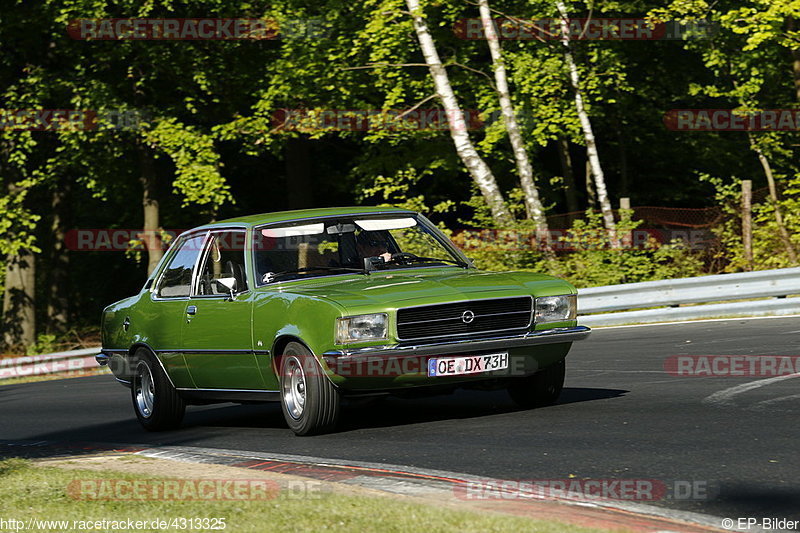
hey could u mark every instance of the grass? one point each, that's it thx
(40, 492)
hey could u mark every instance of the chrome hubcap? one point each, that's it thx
(294, 387)
(145, 391)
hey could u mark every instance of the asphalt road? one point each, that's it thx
(621, 416)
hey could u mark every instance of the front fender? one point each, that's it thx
(278, 315)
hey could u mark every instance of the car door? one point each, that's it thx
(217, 336)
(162, 314)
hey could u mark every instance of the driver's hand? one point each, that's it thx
(386, 257)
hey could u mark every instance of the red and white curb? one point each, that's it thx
(404, 480)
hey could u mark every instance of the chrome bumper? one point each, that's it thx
(533, 338)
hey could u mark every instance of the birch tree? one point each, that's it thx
(586, 126)
(533, 205)
(478, 169)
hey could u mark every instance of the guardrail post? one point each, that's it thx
(747, 222)
(627, 237)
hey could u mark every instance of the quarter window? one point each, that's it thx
(176, 280)
(224, 258)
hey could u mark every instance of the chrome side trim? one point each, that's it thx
(229, 395)
(533, 338)
(213, 350)
(184, 389)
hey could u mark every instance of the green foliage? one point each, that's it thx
(398, 191)
(768, 250)
(583, 254)
(44, 344)
(207, 113)
(592, 261)
(197, 163)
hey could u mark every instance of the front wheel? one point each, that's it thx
(309, 401)
(155, 401)
(540, 389)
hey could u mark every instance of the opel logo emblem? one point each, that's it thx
(467, 316)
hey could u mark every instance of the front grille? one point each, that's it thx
(446, 320)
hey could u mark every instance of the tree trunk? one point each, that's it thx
(533, 205)
(19, 309)
(586, 126)
(567, 171)
(624, 183)
(591, 197)
(796, 71)
(478, 169)
(58, 294)
(791, 26)
(773, 197)
(151, 236)
(299, 191)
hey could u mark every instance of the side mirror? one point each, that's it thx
(228, 285)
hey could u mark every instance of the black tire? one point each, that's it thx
(155, 401)
(309, 401)
(540, 389)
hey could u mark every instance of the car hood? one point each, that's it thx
(428, 286)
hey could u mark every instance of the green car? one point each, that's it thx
(313, 307)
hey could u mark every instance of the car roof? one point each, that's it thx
(301, 214)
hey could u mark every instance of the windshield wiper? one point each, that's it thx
(419, 259)
(269, 277)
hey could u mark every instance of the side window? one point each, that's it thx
(176, 280)
(223, 258)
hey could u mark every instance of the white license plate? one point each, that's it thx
(467, 364)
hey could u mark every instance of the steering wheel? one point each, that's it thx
(398, 257)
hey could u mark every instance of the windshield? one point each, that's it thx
(350, 244)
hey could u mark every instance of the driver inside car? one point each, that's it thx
(369, 244)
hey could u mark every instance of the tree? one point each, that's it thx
(748, 81)
(533, 205)
(586, 125)
(477, 167)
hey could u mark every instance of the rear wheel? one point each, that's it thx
(309, 401)
(540, 389)
(155, 401)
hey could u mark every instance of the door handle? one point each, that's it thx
(191, 310)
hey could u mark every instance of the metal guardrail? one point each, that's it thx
(71, 362)
(671, 298)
